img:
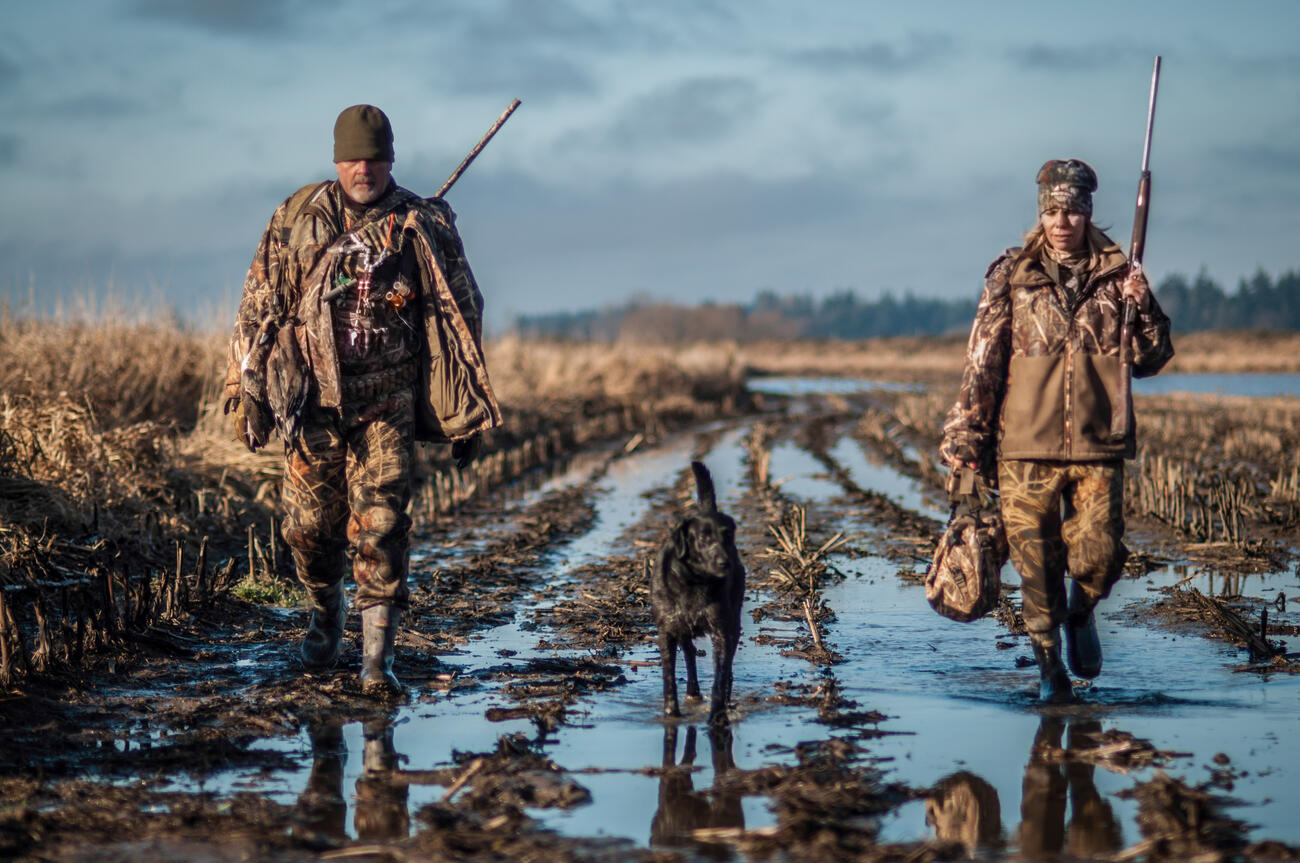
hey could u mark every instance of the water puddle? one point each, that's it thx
(872, 473)
(799, 474)
(1256, 384)
(962, 711)
(971, 710)
(783, 386)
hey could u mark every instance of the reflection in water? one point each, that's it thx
(683, 810)
(381, 795)
(963, 808)
(381, 799)
(321, 806)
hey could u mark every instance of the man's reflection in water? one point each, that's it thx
(382, 812)
(321, 807)
(381, 794)
(964, 808)
(682, 809)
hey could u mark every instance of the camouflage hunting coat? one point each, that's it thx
(1042, 364)
(293, 269)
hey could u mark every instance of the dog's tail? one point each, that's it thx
(704, 494)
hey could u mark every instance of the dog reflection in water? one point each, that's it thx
(964, 809)
(683, 810)
(381, 796)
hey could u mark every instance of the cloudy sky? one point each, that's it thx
(675, 149)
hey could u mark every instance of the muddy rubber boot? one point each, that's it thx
(323, 643)
(1053, 680)
(378, 632)
(1082, 646)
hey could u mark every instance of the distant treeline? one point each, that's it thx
(1260, 302)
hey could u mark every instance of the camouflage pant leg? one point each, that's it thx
(1062, 516)
(350, 491)
(380, 458)
(1093, 527)
(315, 503)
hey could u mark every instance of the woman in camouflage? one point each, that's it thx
(1034, 413)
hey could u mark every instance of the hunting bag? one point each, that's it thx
(963, 582)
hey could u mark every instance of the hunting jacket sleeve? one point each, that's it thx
(460, 278)
(1152, 343)
(970, 432)
(265, 292)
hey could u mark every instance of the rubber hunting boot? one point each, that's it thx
(378, 632)
(1082, 646)
(323, 643)
(1053, 680)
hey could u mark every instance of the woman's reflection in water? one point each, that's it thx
(683, 810)
(963, 808)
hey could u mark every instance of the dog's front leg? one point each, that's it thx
(668, 663)
(721, 679)
(692, 676)
(729, 665)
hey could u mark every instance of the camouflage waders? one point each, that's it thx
(348, 495)
(1060, 518)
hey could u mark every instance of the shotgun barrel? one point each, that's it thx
(1121, 410)
(478, 148)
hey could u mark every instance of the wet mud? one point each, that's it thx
(863, 726)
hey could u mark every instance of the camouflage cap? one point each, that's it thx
(1067, 184)
(363, 132)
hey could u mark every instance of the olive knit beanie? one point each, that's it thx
(363, 132)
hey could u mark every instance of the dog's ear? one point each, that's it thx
(681, 540)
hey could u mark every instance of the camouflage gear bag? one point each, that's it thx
(963, 582)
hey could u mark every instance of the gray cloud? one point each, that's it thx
(1261, 158)
(95, 106)
(10, 72)
(1073, 57)
(551, 22)
(692, 110)
(916, 51)
(541, 76)
(867, 113)
(228, 17)
(9, 148)
(1257, 65)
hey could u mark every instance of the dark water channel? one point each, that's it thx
(958, 704)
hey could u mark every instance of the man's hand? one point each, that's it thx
(1136, 288)
(466, 450)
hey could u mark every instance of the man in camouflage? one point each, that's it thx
(359, 332)
(1034, 411)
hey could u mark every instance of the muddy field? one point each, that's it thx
(863, 726)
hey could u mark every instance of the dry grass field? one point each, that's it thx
(143, 583)
(115, 461)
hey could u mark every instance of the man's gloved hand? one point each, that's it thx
(233, 407)
(466, 450)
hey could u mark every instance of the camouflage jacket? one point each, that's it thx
(291, 273)
(1042, 366)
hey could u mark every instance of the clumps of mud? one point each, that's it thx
(1186, 823)
(827, 805)
(1245, 622)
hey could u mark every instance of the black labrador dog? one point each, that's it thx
(697, 588)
